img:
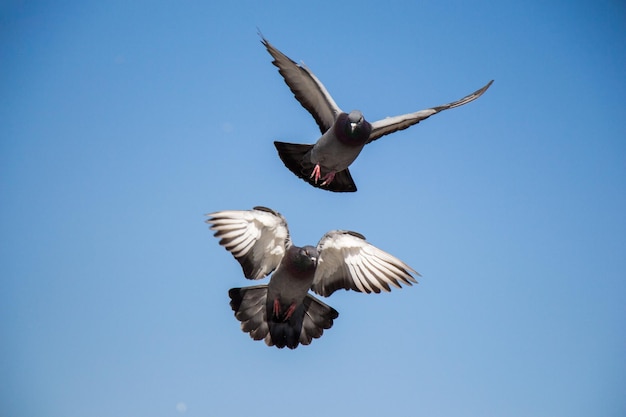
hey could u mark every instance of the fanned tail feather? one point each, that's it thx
(318, 316)
(249, 305)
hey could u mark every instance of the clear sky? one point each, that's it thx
(123, 123)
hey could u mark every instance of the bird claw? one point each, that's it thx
(328, 178)
(290, 311)
(316, 174)
(276, 309)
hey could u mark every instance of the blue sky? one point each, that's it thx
(122, 124)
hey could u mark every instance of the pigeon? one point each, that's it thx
(283, 313)
(325, 164)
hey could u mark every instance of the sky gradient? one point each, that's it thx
(122, 124)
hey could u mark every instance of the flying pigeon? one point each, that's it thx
(283, 313)
(325, 164)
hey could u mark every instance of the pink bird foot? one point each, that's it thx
(328, 178)
(316, 174)
(290, 311)
(276, 309)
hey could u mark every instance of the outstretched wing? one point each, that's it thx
(305, 86)
(257, 238)
(393, 124)
(348, 261)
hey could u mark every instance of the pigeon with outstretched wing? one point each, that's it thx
(325, 163)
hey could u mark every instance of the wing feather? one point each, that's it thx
(394, 279)
(305, 86)
(348, 261)
(386, 273)
(376, 283)
(361, 282)
(257, 238)
(393, 124)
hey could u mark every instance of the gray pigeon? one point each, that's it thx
(325, 164)
(283, 313)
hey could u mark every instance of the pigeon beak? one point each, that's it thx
(352, 127)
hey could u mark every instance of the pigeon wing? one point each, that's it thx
(346, 260)
(257, 238)
(307, 89)
(393, 124)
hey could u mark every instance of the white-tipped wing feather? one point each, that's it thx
(257, 238)
(348, 261)
(307, 89)
(393, 124)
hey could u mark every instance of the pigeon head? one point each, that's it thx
(303, 259)
(355, 117)
(352, 128)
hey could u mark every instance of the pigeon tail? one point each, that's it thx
(249, 307)
(307, 322)
(293, 156)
